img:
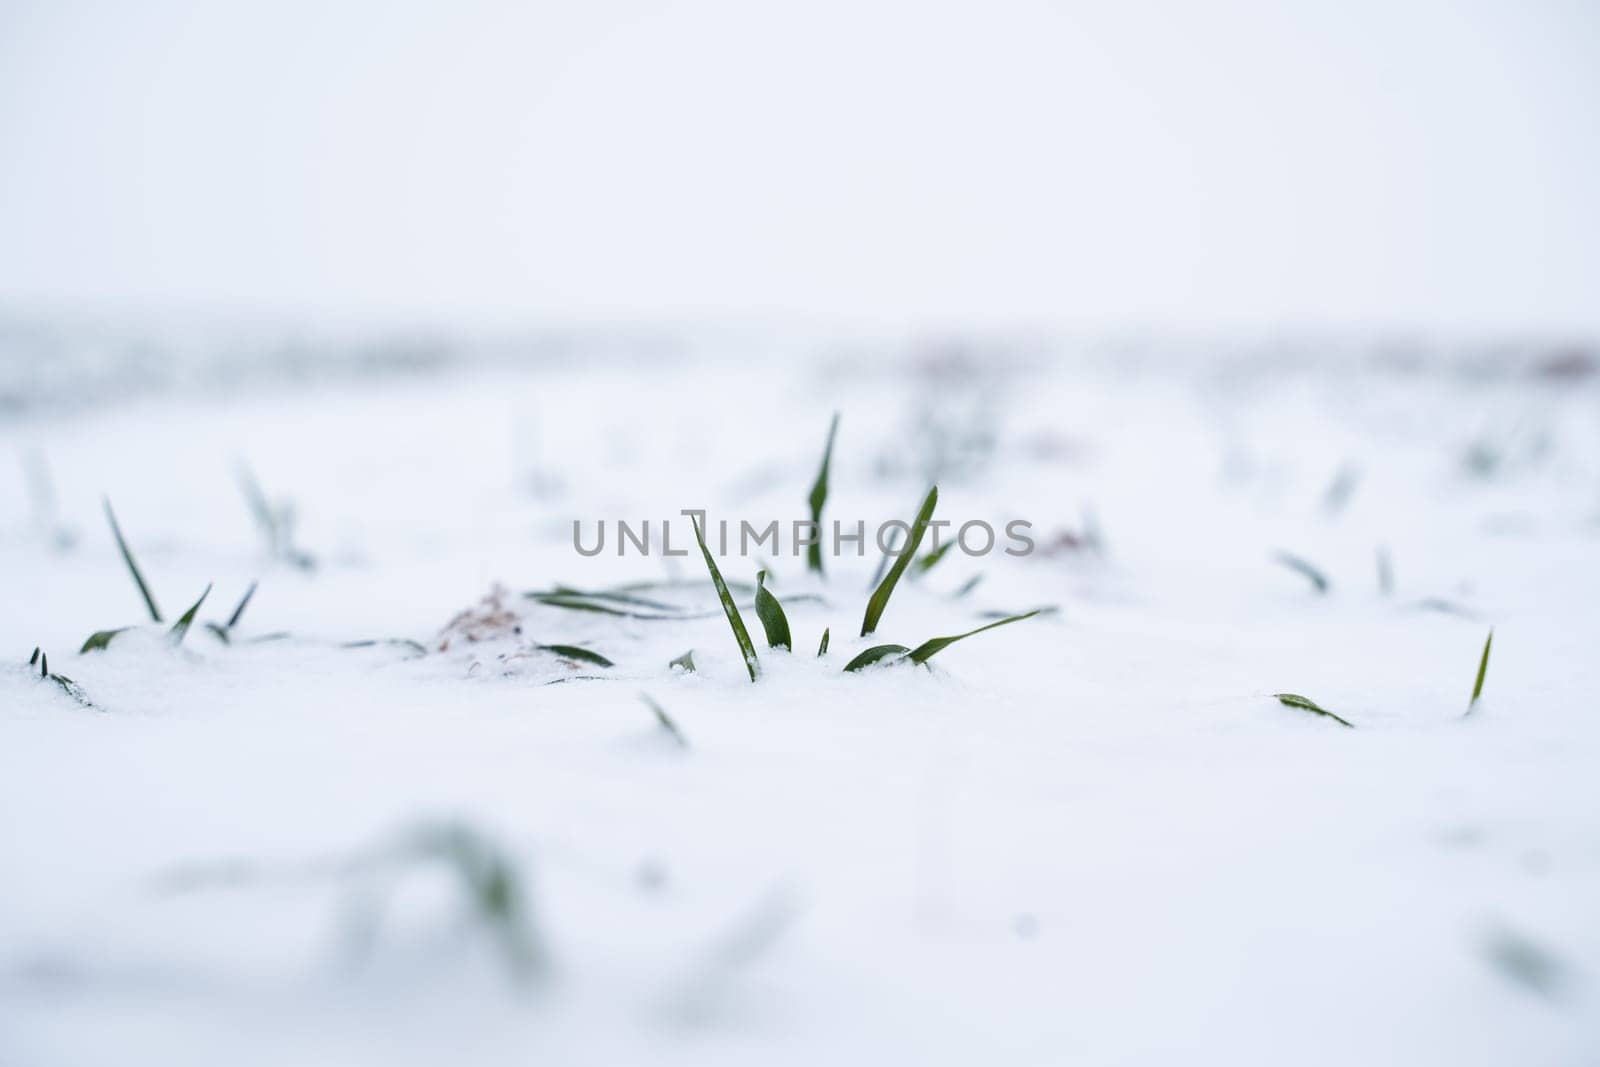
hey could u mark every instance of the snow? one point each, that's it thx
(1090, 836)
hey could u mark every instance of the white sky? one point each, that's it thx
(1171, 164)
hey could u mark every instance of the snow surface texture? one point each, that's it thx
(1093, 836)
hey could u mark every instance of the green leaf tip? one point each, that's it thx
(770, 612)
(880, 597)
(1307, 570)
(133, 568)
(1295, 700)
(818, 498)
(181, 627)
(822, 649)
(746, 647)
(685, 661)
(583, 655)
(874, 654)
(100, 640)
(1483, 670)
(928, 649)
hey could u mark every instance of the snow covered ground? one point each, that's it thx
(1093, 836)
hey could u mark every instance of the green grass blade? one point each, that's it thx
(931, 560)
(746, 648)
(1483, 670)
(1305, 569)
(928, 649)
(770, 612)
(819, 497)
(880, 597)
(686, 661)
(1295, 700)
(220, 632)
(33, 659)
(874, 654)
(238, 612)
(665, 720)
(967, 586)
(98, 640)
(583, 655)
(181, 627)
(822, 649)
(133, 568)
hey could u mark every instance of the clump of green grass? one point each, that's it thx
(928, 649)
(880, 597)
(746, 648)
(1305, 569)
(665, 720)
(66, 685)
(1483, 671)
(1295, 700)
(819, 497)
(770, 612)
(686, 661)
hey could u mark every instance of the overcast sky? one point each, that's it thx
(1173, 165)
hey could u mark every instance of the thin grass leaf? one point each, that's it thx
(614, 596)
(770, 612)
(819, 497)
(1295, 700)
(181, 627)
(238, 612)
(746, 648)
(1308, 571)
(220, 632)
(35, 657)
(929, 561)
(571, 603)
(583, 655)
(880, 598)
(133, 568)
(73, 690)
(874, 654)
(44, 665)
(822, 649)
(665, 720)
(967, 586)
(1483, 670)
(883, 561)
(1043, 609)
(406, 643)
(1445, 607)
(928, 649)
(100, 639)
(686, 661)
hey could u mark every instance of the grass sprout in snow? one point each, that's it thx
(818, 498)
(880, 596)
(665, 720)
(180, 629)
(770, 612)
(1483, 670)
(1295, 700)
(746, 648)
(928, 649)
(133, 568)
(1305, 569)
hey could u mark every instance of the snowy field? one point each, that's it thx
(1091, 836)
